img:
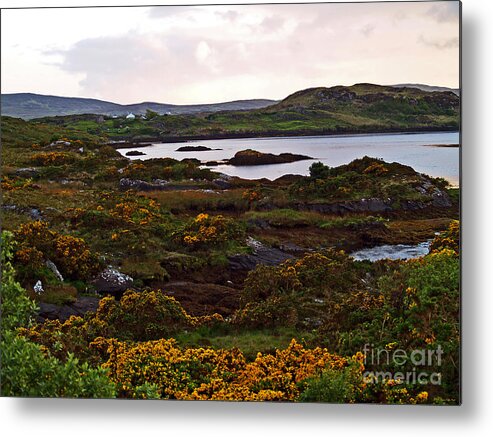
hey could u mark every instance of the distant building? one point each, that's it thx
(130, 117)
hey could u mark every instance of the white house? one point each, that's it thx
(130, 117)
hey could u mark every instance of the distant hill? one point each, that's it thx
(29, 105)
(361, 97)
(428, 88)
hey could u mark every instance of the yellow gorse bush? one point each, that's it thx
(51, 158)
(206, 230)
(205, 373)
(376, 169)
(72, 255)
(9, 184)
(133, 211)
(448, 240)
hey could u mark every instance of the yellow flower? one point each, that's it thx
(201, 217)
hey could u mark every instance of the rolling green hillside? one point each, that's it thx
(360, 108)
(29, 105)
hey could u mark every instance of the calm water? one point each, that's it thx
(396, 251)
(407, 149)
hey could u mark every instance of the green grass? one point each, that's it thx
(249, 342)
(286, 218)
(454, 194)
(351, 221)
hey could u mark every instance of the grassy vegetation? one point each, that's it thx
(286, 218)
(249, 342)
(72, 211)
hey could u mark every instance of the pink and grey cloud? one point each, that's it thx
(217, 53)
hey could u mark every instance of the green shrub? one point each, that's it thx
(28, 369)
(141, 316)
(332, 386)
(319, 171)
(296, 292)
(17, 308)
(109, 152)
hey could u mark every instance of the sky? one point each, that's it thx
(206, 54)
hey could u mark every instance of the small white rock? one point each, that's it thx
(38, 287)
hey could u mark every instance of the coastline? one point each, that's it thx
(136, 143)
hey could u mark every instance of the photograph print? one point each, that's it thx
(253, 202)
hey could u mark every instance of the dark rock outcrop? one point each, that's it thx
(27, 173)
(34, 213)
(200, 299)
(156, 185)
(363, 205)
(134, 153)
(139, 185)
(82, 305)
(258, 223)
(440, 199)
(112, 281)
(221, 183)
(437, 199)
(261, 255)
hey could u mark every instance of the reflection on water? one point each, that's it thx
(396, 251)
(407, 149)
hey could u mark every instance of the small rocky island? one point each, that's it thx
(194, 149)
(134, 153)
(252, 157)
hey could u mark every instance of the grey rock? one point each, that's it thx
(157, 185)
(225, 176)
(82, 305)
(27, 172)
(51, 265)
(363, 205)
(258, 223)
(440, 199)
(112, 281)
(160, 182)
(292, 248)
(137, 184)
(261, 255)
(222, 183)
(34, 213)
